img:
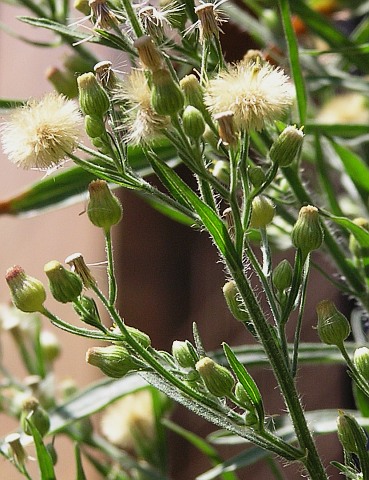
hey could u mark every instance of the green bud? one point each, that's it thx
(361, 361)
(32, 412)
(230, 293)
(88, 312)
(65, 286)
(262, 212)
(93, 99)
(50, 346)
(166, 96)
(307, 233)
(183, 355)
(243, 397)
(346, 426)
(193, 122)
(115, 361)
(354, 246)
(282, 276)
(82, 6)
(193, 92)
(333, 327)
(221, 171)
(256, 176)
(211, 139)
(63, 82)
(142, 338)
(94, 126)
(218, 379)
(251, 419)
(286, 147)
(28, 294)
(104, 209)
(77, 64)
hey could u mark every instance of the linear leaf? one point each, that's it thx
(336, 130)
(44, 460)
(357, 170)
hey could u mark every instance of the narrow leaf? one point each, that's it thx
(356, 169)
(44, 460)
(80, 474)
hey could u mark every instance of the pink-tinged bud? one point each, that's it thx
(28, 293)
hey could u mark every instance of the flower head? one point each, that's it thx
(256, 93)
(143, 124)
(42, 133)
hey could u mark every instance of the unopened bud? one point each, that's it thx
(142, 338)
(346, 427)
(333, 327)
(28, 294)
(285, 149)
(262, 212)
(231, 294)
(64, 286)
(193, 122)
(251, 419)
(94, 126)
(93, 99)
(63, 83)
(256, 176)
(32, 412)
(307, 233)
(282, 276)
(166, 96)
(82, 6)
(226, 127)
(193, 92)
(243, 397)
(115, 361)
(78, 265)
(50, 346)
(104, 209)
(182, 354)
(218, 379)
(361, 361)
(148, 52)
(87, 310)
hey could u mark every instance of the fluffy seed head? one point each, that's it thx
(42, 133)
(256, 93)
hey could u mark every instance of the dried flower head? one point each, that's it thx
(210, 18)
(157, 22)
(128, 418)
(256, 94)
(143, 124)
(102, 15)
(42, 134)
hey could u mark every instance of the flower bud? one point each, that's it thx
(63, 82)
(251, 419)
(64, 286)
(28, 293)
(78, 265)
(193, 122)
(87, 310)
(115, 361)
(307, 233)
(221, 171)
(166, 96)
(82, 6)
(142, 338)
(256, 176)
(50, 346)
(230, 293)
(361, 361)
(287, 146)
(333, 327)
(354, 245)
(104, 209)
(218, 379)
(183, 355)
(262, 212)
(193, 92)
(93, 99)
(94, 126)
(148, 52)
(282, 276)
(243, 397)
(34, 413)
(346, 425)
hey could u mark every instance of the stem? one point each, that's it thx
(110, 269)
(133, 20)
(233, 201)
(283, 375)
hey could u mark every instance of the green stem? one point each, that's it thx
(110, 270)
(283, 375)
(132, 17)
(233, 202)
